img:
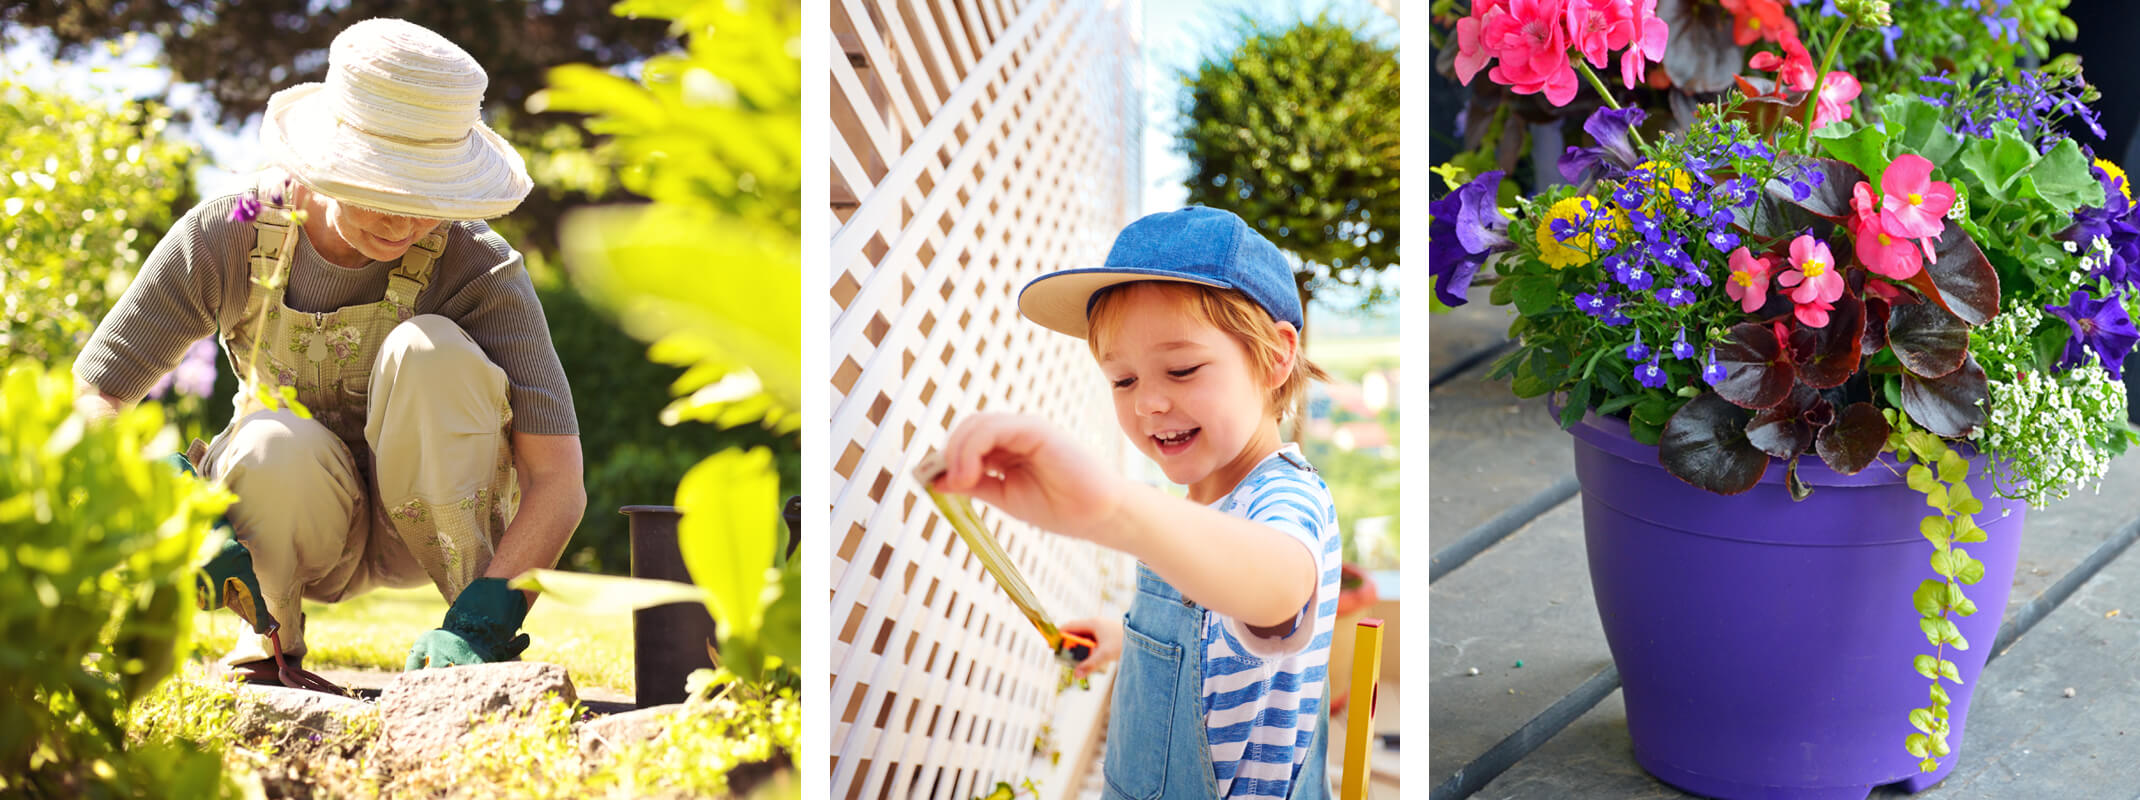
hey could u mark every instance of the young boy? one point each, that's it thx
(1196, 323)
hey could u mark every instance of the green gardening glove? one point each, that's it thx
(479, 628)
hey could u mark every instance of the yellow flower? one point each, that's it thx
(1579, 249)
(2124, 184)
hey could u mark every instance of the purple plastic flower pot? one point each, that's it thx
(1765, 645)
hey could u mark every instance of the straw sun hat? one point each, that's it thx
(397, 127)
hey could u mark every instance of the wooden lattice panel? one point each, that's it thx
(978, 144)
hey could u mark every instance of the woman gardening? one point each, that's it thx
(405, 417)
(1196, 323)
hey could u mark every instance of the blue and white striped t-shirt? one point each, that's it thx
(1263, 695)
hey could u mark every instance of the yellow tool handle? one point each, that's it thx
(958, 510)
(1360, 726)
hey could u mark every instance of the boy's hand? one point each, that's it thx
(1029, 469)
(1107, 637)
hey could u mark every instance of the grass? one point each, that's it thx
(375, 631)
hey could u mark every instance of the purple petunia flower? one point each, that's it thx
(2115, 223)
(1611, 128)
(1638, 351)
(1650, 374)
(2100, 327)
(1464, 229)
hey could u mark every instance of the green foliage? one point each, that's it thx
(84, 191)
(1941, 474)
(1296, 131)
(710, 273)
(1940, 38)
(95, 590)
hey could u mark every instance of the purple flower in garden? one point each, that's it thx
(1599, 304)
(2114, 223)
(1633, 275)
(1888, 35)
(1714, 373)
(1693, 274)
(2000, 25)
(195, 373)
(1580, 164)
(1628, 197)
(1615, 318)
(2100, 327)
(247, 209)
(1723, 240)
(1611, 128)
(1650, 374)
(1645, 224)
(1675, 296)
(1638, 351)
(1680, 349)
(1465, 227)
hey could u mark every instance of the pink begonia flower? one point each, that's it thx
(1528, 40)
(1833, 104)
(1819, 283)
(1893, 256)
(1911, 203)
(1887, 291)
(1748, 282)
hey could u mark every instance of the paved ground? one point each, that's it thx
(1510, 586)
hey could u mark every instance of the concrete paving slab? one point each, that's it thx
(1526, 600)
(1592, 757)
(1487, 452)
(1465, 331)
(2062, 534)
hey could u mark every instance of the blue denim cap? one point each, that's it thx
(1197, 244)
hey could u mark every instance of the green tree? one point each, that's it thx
(86, 189)
(1296, 131)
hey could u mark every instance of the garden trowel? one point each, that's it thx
(957, 509)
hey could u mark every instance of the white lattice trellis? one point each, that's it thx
(978, 144)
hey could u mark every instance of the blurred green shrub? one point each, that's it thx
(95, 592)
(85, 191)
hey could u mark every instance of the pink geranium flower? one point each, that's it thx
(1833, 102)
(1817, 280)
(1529, 41)
(1911, 203)
(1748, 282)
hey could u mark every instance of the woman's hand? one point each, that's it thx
(1029, 469)
(1106, 635)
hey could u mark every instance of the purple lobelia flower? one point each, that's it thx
(1464, 229)
(1598, 304)
(1714, 373)
(1633, 274)
(2100, 327)
(247, 209)
(1650, 374)
(1675, 295)
(1638, 351)
(1681, 350)
(1615, 318)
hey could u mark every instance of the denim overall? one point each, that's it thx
(1156, 742)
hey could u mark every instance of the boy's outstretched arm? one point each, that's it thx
(1246, 570)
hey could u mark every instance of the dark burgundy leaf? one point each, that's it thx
(1960, 280)
(1851, 444)
(1702, 58)
(1875, 338)
(1827, 356)
(1952, 405)
(1705, 445)
(1830, 199)
(1772, 220)
(1929, 341)
(1757, 372)
(1783, 431)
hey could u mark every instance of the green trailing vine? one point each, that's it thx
(1940, 474)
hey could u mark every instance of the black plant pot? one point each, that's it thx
(669, 642)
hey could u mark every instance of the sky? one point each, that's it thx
(1178, 34)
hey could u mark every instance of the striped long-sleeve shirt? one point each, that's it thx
(1264, 695)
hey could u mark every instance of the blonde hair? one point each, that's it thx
(1229, 311)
